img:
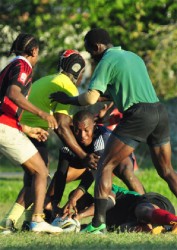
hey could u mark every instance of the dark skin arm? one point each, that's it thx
(65, 99)
(15, 95)
(86, 182)
(66, 135)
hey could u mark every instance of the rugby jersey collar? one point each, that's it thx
(22, 58)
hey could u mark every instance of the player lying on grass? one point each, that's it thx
(92, 138)
(126, 211)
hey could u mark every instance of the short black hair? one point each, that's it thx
(82, 115)
(97, 35)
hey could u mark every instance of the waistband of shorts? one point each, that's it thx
(141, 104)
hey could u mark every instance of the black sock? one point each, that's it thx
(100, 212)
(110, 204)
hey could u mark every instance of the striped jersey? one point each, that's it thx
(17, 72)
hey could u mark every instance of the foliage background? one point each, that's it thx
(148, 28)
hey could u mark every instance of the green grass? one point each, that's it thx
(151, 181)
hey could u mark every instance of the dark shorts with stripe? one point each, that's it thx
(124, 210)
(144, 122)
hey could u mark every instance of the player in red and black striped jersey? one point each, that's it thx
(19, 73)
(15, 83)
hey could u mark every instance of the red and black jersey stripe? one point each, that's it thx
(19, 73)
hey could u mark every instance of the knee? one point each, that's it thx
(102, 188)
(125, 172)
(166, 173)
(43, 172)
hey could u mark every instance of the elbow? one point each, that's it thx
(92, 101)
(62, 131)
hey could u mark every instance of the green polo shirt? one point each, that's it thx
(124, 75)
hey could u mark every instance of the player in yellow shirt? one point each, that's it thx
(71, 66)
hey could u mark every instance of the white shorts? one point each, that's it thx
(15, 145)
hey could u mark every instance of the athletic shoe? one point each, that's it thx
(158, 230)
(8, 228)
(174, 227)
(44, 227)
(94, 230)
(25, 226)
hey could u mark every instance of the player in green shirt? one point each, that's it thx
(123, 75)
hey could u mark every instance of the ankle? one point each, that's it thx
(38, 217)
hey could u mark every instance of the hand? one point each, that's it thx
(91, 161)
(70, 208)
(37, 133)
(60, 97)
(50, 119)
(103, 111)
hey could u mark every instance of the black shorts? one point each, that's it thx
(144, 122)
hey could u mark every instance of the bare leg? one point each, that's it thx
(115, 152)
(161, 157)
(25, 198)
(125, 172)
(37, 167)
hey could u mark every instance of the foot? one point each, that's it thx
(174, 227)
(158, 230)
(44, 227)
(8, 228)
(94, 230)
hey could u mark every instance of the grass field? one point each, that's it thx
(9, 189)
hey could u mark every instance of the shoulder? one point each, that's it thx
(101, 135)
(101, 130)
(21, 70)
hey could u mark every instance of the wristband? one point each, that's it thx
(82, 188)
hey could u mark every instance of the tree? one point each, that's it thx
(136, 25)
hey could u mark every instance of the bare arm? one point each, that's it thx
(85, 213)
(15, 95)
(37, 133)
(70, 206)
(90, 97)
(66, 135)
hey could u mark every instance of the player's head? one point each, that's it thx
(71, 62)
(96, 42)
(26, 45)
(83, 123)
